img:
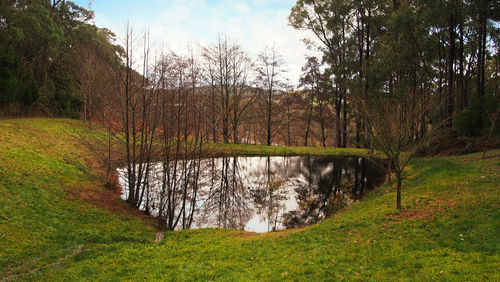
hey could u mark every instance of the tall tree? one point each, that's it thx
(226, 70)
(270, 70)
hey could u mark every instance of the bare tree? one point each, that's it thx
(181, 138)
(270, 70)
(390, 121)
(139, 120)
(226, 70)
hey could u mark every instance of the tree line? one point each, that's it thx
(55, 62)
(437, 50)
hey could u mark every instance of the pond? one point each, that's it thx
(257, 194)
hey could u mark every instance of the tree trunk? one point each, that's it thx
(451, 61)
(344, 121)
(440, 80)
(309, 121)
(214, 124)
(463, 95)
(398, 200)
(269, 101)
(322, 124)
(481, 57)
(289, 143)
(338, 109)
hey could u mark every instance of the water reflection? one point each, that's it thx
(262, 194)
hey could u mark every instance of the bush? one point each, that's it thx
(8, 87)
(30, 94)
(475, 120)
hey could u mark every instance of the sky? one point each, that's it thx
(176, 24)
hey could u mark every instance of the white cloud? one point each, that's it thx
(254, 24)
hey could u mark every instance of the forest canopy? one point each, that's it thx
(44, 47)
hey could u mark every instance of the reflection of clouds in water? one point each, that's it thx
(235, 193)
(257, 224)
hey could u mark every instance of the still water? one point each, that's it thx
(261, 194)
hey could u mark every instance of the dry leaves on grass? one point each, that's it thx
(108, 198)
(433, 208)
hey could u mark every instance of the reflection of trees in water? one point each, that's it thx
(233, 194)
(170, 192)
(226, 199)
(331, 184)
(269, 197)
(178, 194)
(229, 192)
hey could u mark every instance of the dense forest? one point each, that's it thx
(45, 53)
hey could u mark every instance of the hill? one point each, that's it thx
(59, 222)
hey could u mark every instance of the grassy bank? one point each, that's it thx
(262, 150)
(58, 222)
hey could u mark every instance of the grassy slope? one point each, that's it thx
(42, 171)
(448, 230)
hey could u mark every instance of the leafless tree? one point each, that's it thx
(270, 70)
(390, 121)
(226, 70)
(182, 133)
(138, 119)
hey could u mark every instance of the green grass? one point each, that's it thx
(448, 229)
(262, 150)
(42, 169)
